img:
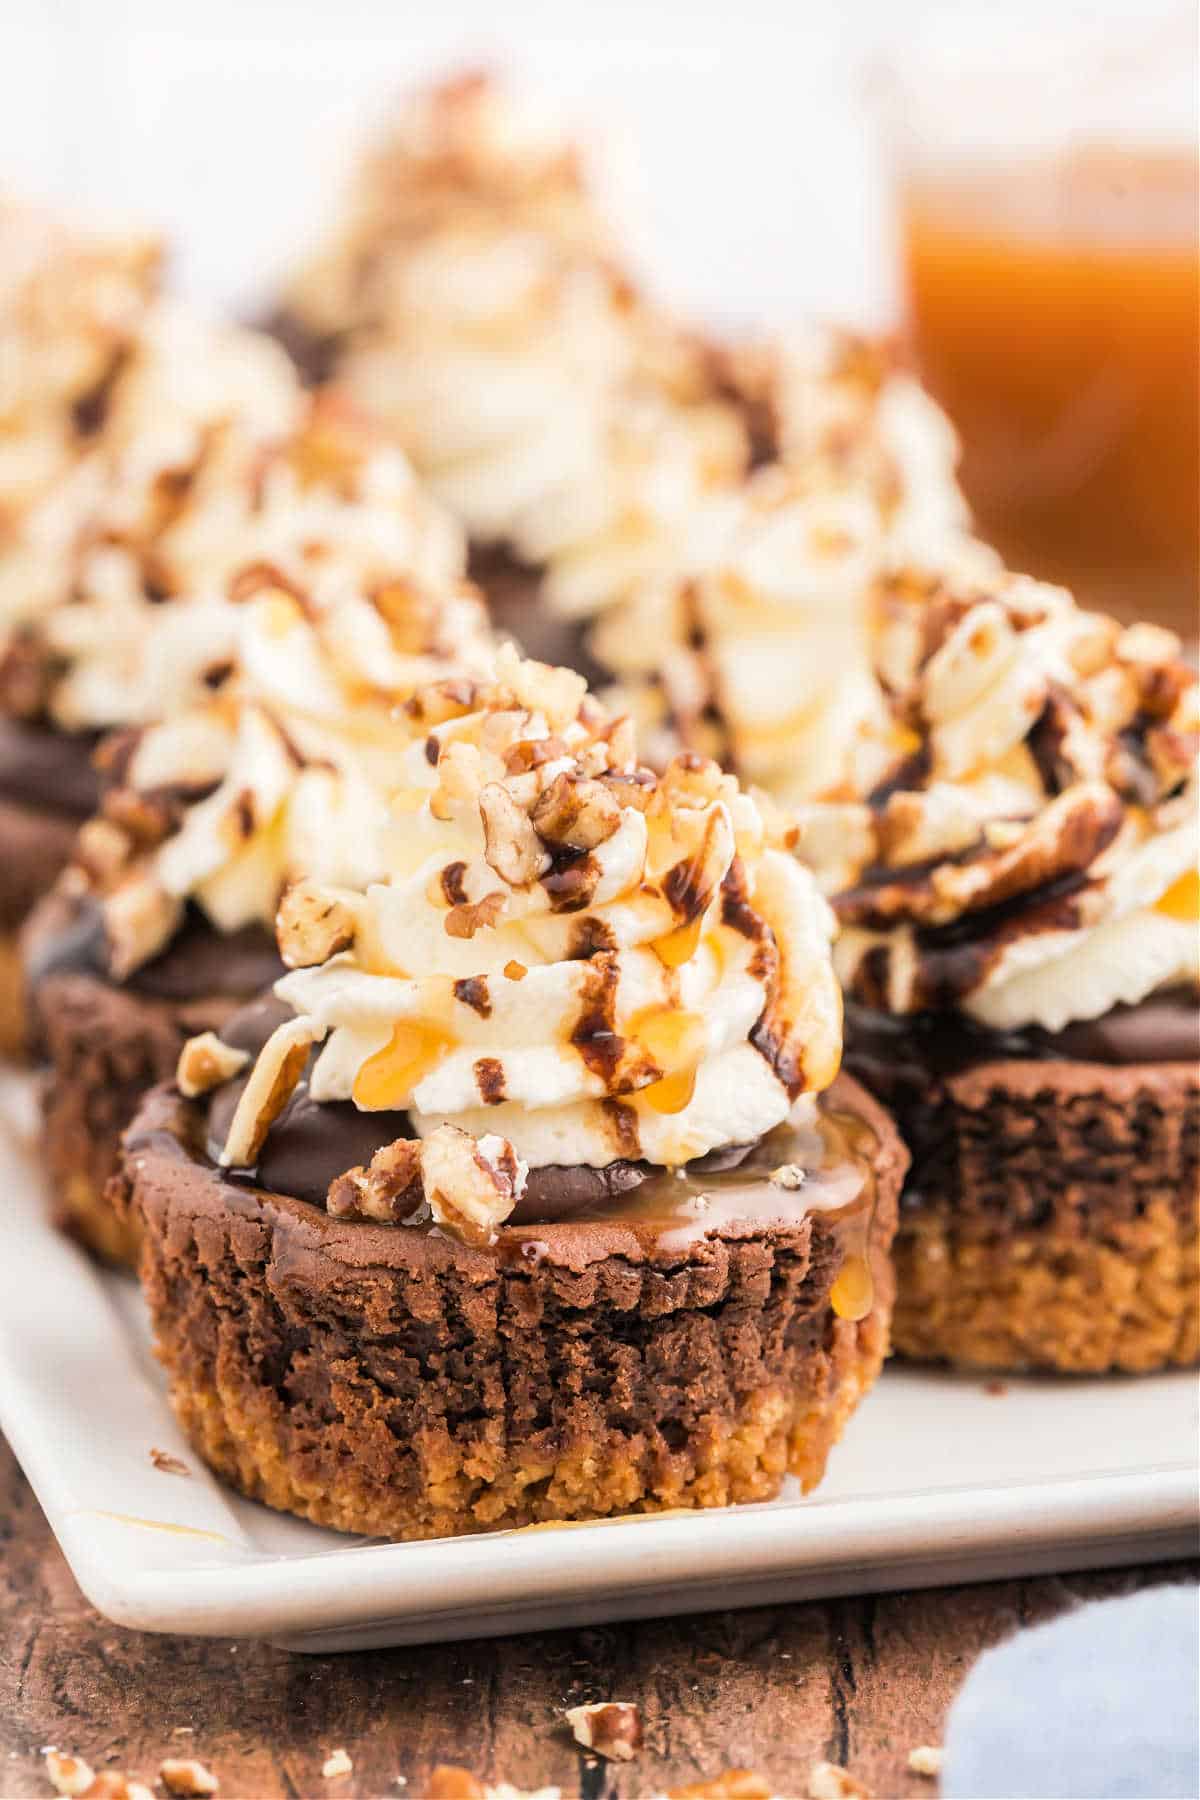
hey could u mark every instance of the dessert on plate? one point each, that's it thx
(756, 649)
(161, 924)
(137, 516)
(1014, 868)
(71, 302)
(602, 455)
(471, 298)
(532, 1192)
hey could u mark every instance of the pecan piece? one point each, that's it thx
(510, 843)
(579, 813)
(612, 1728)
(312, 925)
(205, 1062)
(388, 1188)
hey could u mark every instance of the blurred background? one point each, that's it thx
(1013, 186)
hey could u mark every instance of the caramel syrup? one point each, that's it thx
(679, 946)
(673, 1210)
(386, 1080)
(674, 1040)
(1182, 899)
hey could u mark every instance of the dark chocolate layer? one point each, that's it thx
(198, 960)
(312, 1142)
(1165, 1027)
(47, 768)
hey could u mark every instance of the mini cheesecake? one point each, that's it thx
(72, 299)
(532, 1193)
(161, 924)
(755, 648)
(1019, 948)
(144, 504)
(473, 300)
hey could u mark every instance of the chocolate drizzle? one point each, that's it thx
(489, 1079)
(472, 991)
(595, 1035)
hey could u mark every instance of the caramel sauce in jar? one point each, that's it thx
(1053, 307)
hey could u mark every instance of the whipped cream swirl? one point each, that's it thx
(289, 770)
(1022, 842)
(759, 651)
(480, 314)
(120, 597)
(72, 298)
(588, 962)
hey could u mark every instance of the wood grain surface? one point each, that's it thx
(858, 1682)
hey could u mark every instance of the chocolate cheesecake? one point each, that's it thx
(72, 299)
(161, 924)
(532, 1193)
(1018, 896)
(473, 300)
(143, 506)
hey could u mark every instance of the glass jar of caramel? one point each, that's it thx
(1048, 207)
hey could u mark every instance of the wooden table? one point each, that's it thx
(858, 1682)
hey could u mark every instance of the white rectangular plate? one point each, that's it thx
(938, 1480)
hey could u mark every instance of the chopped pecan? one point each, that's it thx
(510, 843)
(102, 851)
(388, 1188)
(69, 1774)
(530, 753)
(579, 813)
(925, 1759)
(471, 1184)
(440, 701)
(205, 1062)
(139, 919)
(312, 925)
(633, 787)
(184, 1775)
(540, 687)
(272, 1082)
(692, 780)
(145, 818)
(468, 917)
(612, 1728)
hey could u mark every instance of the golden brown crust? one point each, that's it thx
(1029, 1299)
(1051, 1219)
(377, 1380)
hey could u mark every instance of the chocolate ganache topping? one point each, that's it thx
(575, 978)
